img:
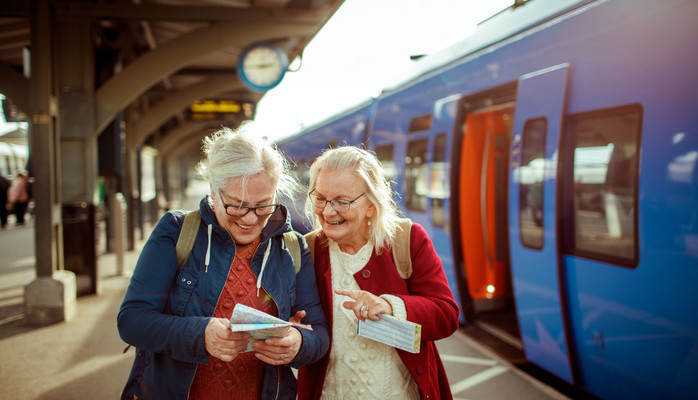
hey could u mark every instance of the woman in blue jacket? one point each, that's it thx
(178, 319)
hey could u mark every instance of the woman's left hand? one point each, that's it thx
(279, 351)
(365, 304)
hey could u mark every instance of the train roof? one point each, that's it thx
(506, 24)
(342, 113)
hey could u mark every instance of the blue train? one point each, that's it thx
(553, 158)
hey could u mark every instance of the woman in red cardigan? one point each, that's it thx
(352, 207)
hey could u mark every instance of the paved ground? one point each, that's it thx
(83, 359)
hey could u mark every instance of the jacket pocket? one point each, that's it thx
(185, 284)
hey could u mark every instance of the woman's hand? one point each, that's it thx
(223, 343)
(365, 304)
(279, 351)
(297, 318)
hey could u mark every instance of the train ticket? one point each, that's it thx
(401, 334)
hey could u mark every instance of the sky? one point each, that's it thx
(359, 49)
(354, 55)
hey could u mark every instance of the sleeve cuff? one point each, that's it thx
(399, 310)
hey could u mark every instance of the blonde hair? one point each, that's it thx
(378, 190)
(240, 153)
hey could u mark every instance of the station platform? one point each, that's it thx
(83, 359)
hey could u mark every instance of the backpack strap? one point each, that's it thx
(291, 242)
(310, 240)
(185, 242)
(401, 248)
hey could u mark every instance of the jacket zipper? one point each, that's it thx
(278, 369)
(278, 381)
(192, 381)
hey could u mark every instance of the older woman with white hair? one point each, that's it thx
(356, 223)
(178, 317)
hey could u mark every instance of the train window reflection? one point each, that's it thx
(420, 123)
(531, 177)
(384, 154)
(439, 187)
(604, 182)
(416, 175)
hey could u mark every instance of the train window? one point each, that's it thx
(603, 194)
(384, 154)
(439, 185)
(420, 124)
(531, 176)
(416, 175)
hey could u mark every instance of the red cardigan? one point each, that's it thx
(428, 300)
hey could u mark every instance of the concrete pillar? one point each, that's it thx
(51, 297)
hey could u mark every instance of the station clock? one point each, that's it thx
(262, 66)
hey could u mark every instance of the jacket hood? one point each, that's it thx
(277, 224)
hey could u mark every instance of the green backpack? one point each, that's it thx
(401, 247)
(190, 227)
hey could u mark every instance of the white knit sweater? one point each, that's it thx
(360, 367)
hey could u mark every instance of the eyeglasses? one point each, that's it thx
(339, 205)
(241, 211)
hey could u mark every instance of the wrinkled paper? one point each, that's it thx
(258, 324)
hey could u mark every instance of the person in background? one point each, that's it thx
(179, 320)
(4, 186)
(351, 205)
(18, 196)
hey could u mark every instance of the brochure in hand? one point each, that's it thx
(404, 335)
(257, 323)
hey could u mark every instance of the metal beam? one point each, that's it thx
(174, 103)
(122, 89)
(187, 13)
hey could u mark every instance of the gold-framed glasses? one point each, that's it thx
(339, 205)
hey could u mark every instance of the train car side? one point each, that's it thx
(556, 170)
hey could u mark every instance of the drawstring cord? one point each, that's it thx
(264, 264)
(208, 250)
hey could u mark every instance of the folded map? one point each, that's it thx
(257, 323)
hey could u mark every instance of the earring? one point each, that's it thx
(369, 222)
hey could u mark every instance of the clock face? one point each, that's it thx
(262, 67)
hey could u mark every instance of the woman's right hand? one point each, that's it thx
(223, 343)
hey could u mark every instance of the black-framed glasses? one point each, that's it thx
(241, 211)
(339, 205)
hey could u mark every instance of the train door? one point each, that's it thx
(483, 205)
(480, 184)
(535, 259)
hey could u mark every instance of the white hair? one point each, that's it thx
(366, 165)
(240, 153)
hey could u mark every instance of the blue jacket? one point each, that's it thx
(165, 312)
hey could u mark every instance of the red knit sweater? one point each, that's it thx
(242, 377)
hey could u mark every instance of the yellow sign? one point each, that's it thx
(203, 110)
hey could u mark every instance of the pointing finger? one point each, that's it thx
(354, 294)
